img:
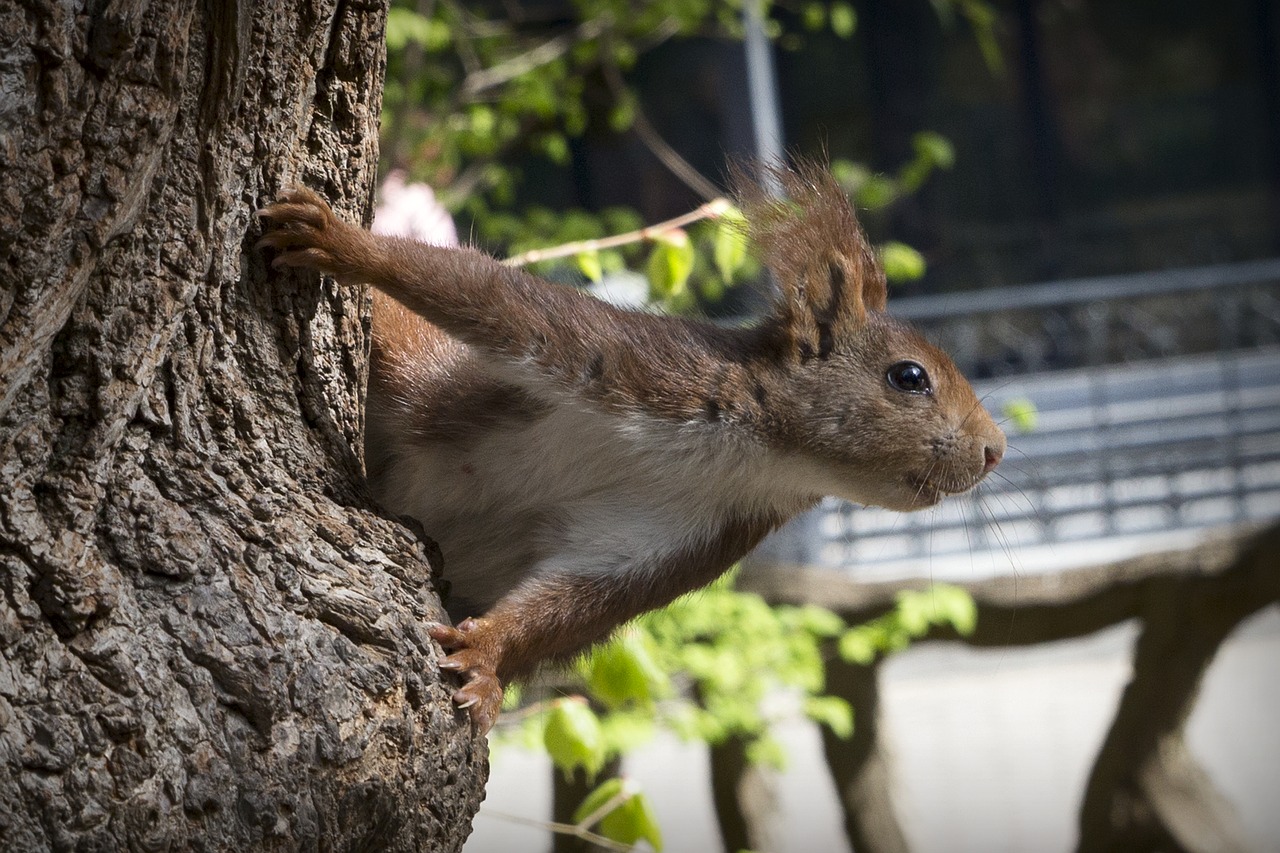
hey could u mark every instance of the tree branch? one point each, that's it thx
(547, 52)
(653, 140)
(710, 210)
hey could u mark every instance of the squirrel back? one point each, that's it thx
(580, 463)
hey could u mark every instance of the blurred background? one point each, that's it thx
(1080, 200)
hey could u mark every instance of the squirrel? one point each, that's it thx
(580, 464)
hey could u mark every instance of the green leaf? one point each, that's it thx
(554, 147)
(844, 20)
(819, 621)
(934, 148)
(932, 151)
(406, 27)
(858, 645)
(914, 612)
(629, 821)
(624, 671)
(627, 731)
(593, 802)
(573, 737)
(983, 20)
(901, 262)
(632, 821)
(589, 265)
(814, 15)
(1022, 413)
(876, 192)
(729, 251)
(850, 175)
(766, 752)
(833, 712)
(623, 114)
(670, 264)
(482, 121)
(956, 606)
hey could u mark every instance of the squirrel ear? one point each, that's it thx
(870, 276)
(810, 238)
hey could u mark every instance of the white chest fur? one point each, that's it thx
(575, 490)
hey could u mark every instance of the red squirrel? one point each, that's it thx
(580, 464)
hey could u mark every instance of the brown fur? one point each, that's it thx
(467, 348)
(532, 624)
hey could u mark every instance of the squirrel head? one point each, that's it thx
(867, 409)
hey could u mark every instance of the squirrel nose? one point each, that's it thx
(993, 455)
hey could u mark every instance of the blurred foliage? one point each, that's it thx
(476, 92)
(710, 667)
(1022, 413)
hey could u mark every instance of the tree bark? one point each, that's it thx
(860, 765)
(209, 636)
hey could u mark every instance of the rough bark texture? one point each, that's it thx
(209, 639)
(1146, 792)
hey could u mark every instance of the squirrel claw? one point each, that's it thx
(481, 695)
(446, 635)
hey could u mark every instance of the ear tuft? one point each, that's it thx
(811, 240)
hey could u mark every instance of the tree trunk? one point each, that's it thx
(745, 798)
(209, 637)
(860, 766)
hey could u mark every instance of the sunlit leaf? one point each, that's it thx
(766, 752)
(876, 192)
(901, 262)
(601, 794)
(632, 821)
(1022, 413)
(844, 20)
(729, 250)
(935, 148)
(573, 737)
(624, 670)
(670, 264)
(957, 607)
(813, 15)
(914, 612)
(623, 114)
(405, 27)
(857, 645)
(589, 265)
(833, 712)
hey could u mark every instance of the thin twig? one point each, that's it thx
(563, 829)
(653, 140)
(508, 719)
(607, 806)
(466, 52)
(547, 52)
(711, 210)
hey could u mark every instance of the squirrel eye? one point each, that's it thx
(909, 377)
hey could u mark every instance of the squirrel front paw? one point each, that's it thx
(304, 230)
(482, 693)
